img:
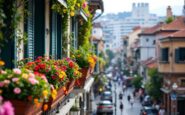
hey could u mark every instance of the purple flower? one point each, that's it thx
(33, 81)
(17, 71)
(17, 90)
(6, 109)
(15, 79)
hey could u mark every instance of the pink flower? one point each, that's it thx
(84, 5)
(3, 72)
(31, 75)
(17, 90)
(1, 84)
(6, 82)
(44, 78)
(33, 81)
(15, 79)
(17, 71)
(1, 98)
(7, 109)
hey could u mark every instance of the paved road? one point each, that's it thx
(128, 109)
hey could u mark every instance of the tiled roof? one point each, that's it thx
(178, 34)
(151, 30)
(177, 24)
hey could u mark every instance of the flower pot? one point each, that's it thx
(70, 85)
(85, 74)
(52, 103)
(26, 108)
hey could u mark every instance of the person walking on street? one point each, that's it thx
(128, 98)
(121, 107)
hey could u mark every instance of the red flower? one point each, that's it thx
(36, 68)
(63, 68)
(53, 77)
(30, 63)
(42, 66)
(71, 65)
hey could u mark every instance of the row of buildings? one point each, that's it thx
(115, 28)
(161, 46)
(45, 37)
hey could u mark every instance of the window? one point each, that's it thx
(183, 82)
(146, 39)
(164, 54)
(154, 42)
(179, 55)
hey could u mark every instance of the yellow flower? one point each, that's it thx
(62, 75)
(72, 8)
(25, 76)
(73, 56)
(78, 4)
(45, 93)
(54, 94)
(36, 101)
(2, 63)
(72, 13)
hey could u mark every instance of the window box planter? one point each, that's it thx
(85, 74)
(26, 108)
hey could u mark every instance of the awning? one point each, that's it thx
(86, 87)
(63, 2)
(165, 90)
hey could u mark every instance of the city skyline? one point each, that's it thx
(155, 6)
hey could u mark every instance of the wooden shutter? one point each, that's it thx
(59, 37)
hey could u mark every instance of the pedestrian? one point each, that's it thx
(121, 107)
(120, 96)
(128, 98)
(161, 111)
(141, 98)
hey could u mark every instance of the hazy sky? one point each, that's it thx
(156, 6)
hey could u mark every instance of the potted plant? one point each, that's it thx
(24, 90)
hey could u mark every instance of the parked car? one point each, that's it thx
(104, 107)
(149, 110)
(106, 95)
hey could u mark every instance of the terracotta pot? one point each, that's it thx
(53, 103)
(70, 85)
(85, 74)
(26, 108)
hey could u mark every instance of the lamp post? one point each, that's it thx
(115, 97)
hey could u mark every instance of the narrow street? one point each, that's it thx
(127, 108)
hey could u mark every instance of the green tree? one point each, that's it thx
(154, 84)
(169, 20)
(137, 81)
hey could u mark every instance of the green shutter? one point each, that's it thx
(177, 56)
(59, 37)
(39, 26)
(53, 45)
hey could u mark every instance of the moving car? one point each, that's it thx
(107, 95)
(104, 106)
(148, 110)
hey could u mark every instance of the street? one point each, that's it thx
(127, 108)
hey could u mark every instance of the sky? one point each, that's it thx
(155, 6)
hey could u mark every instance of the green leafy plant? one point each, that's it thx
(137, 81)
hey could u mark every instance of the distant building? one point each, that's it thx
(115, 28)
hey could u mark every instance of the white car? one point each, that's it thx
(105, 107)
